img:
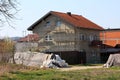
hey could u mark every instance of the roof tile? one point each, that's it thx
(75, 20)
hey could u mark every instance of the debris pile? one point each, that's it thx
(54, 61)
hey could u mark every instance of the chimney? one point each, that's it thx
(69, 13)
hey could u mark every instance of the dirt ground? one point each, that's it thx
(79, 68)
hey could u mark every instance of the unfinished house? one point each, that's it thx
(73, 37)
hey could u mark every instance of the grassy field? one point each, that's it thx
(54, 74)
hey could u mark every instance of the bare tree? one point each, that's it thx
(8, 9)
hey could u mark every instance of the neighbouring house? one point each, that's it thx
(111, 43)
(27, 43)
(75, 38)
(29, 38)
(110, 37)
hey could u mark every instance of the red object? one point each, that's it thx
(29, 38)
(77, 20)
(110, 37)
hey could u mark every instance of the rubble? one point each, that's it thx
(54, 61)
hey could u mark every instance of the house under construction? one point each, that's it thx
(75, 38)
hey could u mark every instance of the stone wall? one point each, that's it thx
(25, 46)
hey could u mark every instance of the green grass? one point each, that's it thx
(53, 74)
(87, 65)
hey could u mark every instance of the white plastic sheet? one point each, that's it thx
(39, 59)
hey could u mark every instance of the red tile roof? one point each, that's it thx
(78, 20)
(30, 38)
(110, 37)
(75, 20)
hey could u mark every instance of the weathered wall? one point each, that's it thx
(25, 46)
(63, 36)
(92, 53)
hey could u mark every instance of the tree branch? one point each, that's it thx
(8, 9)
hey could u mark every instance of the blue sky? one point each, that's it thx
(105, 13)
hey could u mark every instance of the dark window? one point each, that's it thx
(82, 37)
(48, 38)
(91, 37)
(58, 23)
(47, 24)
(95, 37)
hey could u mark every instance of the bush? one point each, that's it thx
(6, 49)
